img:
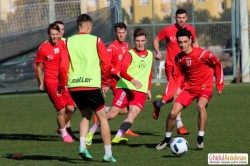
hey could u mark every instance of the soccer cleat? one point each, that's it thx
(67, 138)
(72, 134)
(200, 146)
(89, 138)
(109, 159)
(120, 140)
(130, 133)
(156, 110)
(95, 118)
(165, 142)
(58, 131)
(182, 131)
(84, 153)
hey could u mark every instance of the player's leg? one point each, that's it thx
(181, 129)
(62, 126)
(70, 109)
(202, 120)
(170, 123)
(126, 124)
(84, 126)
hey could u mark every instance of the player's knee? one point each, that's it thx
(201, 107)
(172, 115)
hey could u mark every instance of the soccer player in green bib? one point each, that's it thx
(133, 88)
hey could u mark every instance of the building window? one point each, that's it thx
(144, 2)
(107, 3)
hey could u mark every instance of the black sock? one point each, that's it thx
(125, 126)
(200, 139)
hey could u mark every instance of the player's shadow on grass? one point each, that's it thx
(33, 137)
(44, 157)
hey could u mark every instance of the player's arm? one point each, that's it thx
(157, 48)
(194, 38)
(63, 70)
(105, 65)
(39, 76)
(215, 63)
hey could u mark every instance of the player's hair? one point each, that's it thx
(59, 22)
(82, 19)
(139, 32)
(53, 26)
(120, 25)
(180, 11)
(183, 32)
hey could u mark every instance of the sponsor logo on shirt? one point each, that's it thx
(49, 57)
(142, 64)
(81, 79)
(56, 50)
(172, 39)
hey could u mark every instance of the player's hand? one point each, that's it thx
(119, 75)
(163, 101)
(158, 56)
(136, 83)
(104, 91)
(149, 97)
(219, 92)
(41, 87)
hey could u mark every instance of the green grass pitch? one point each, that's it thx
(28, 126)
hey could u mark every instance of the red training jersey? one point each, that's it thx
(172, 48)
(116, 50)
(50, 57)
(198, 68)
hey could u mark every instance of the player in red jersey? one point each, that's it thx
(198, 66)
(116, 50)
(49, 56)
(172, 49)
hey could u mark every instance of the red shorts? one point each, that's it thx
(61, 101)
(125, 97)
(185, 98)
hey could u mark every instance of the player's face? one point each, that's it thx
(121, 34)
(181, 19)
(61, 26)
(185, 44)
(54, 36)
(140, 41)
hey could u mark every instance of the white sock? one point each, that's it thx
(94, 128)
(107, 109)
(201, 133)
(63, 132)
(82, 142)
(168, 134)
(179, 122)
(119, 133)
(108, 150)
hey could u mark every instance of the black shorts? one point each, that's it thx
(88, 98)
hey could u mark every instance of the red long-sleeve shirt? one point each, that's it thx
(198, 68)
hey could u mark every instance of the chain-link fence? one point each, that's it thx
(25, 30)
(18, 45)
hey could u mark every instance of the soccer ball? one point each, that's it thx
(179, 146)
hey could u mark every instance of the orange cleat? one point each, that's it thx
(182, 131)
(95, 119)
(156, 110)
(130, 133)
